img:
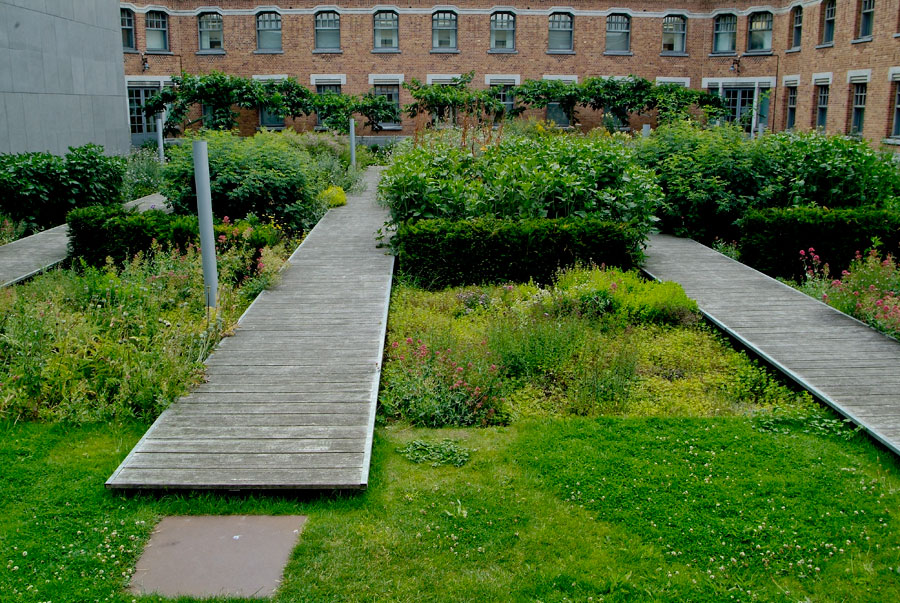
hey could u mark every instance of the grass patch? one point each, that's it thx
(640, 509)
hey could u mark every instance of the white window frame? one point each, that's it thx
(444, 21)
(561, 22)
(265, 24)
(160, 22)
(674, 28)
(327, 21)
(618, 23)
(503, 22)
(386, 17)
(206, 31)
(725, 28)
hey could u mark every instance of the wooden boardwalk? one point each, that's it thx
(290, 398)
(845, 363)
(22, 259)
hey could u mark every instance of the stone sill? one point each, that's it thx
(328, 51)
(560, 52)
(861, 40)
(758, 53)
(672, 53)
(385, 51)
(503, 51)
(210, 52)
(445, 51)
(825, 45)
(792, 50)
(618, 53)
(258, 51)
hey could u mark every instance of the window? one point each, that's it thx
(618, 33)
(673, 34)
(269, 119)
(821, 107)
(328, 31)
(725, 34)
(859, 108)
(140, 123)
(866, 18)
(268, 31)
(503, 31)
(760, 32)
(210, 31)
(791, 117)
(504, 95)
(797, 27)
(323, 89)
(828, 12)
(443, 30)
(127, 29)
(392, 93)
(387, 30)
(895, 131)
(157, 30)
(556, 114)
(560, 32)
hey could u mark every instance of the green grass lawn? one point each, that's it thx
(572, 509)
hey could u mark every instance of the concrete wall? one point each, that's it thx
(61, 76)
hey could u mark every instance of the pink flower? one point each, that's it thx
(409, 340)
(803, 253)
(395, 345)
(222, 238)
(226, 220)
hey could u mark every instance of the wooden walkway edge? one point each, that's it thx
(290, 398)
(840, 360)
(29, 256)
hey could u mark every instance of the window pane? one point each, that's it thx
(127, 28)
(328, 31)
(822, 107)
(798, 27)
(725, 37)
(503, 31)
(268, 31)
(560, 32)
(157, 31)
(210, 32)
(618, 30)
(760, 34)
(673, 34)
(896, 129)
(392, 92)
(443, 30)
(386, 34)
(828, 26)
(557, 115)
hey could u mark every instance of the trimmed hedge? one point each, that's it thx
(447, 253)
(771, 239)
(40, 188)
(96, 233)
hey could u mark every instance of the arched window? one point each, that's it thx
(386, 25)
(760, 32)
(674, 32)
(328, 31)
(503, 31)
(157, 30)
(560, 37)
(443, 30)
(618, 33)
(211, 33)
(725, 34)
(268, 31)
(127, 29)
(796, 26)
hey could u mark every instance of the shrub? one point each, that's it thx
(263, 175)
(712, 176)
(442, 253)
(40, 189)
(808, 168)
(540, 177)
(97, 234)
(143, 174)
(770, 239)
(10, 230)
(708, 176)
(334, 196)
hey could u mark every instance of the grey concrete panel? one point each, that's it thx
(15, 118)
(6, 78)
(28, 70)
(36, 134)
(61, 8)
(4, 128)
(25, 30)
(5, 18)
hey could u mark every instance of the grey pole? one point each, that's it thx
(352, 142)
(204, 213)
(159, 137)
(645, 130)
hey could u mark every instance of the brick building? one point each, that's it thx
(831, 64)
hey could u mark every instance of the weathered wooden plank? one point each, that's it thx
(236, 479)
(290, 398)
(850, 365)
(246, 460)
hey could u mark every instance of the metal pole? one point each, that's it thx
(204, 213)
(352, 142)
(645, 130)
(159, 137)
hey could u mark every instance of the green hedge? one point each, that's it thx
(446, 253)
(96, 233)
(40, 188)
(771, 239)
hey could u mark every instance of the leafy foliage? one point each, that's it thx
(712, 177)
(39, 189)
(442, 253)
(519, 177)
(445, 452)
(264, 175)
(770, 239)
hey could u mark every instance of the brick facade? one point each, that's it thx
(742, 74)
